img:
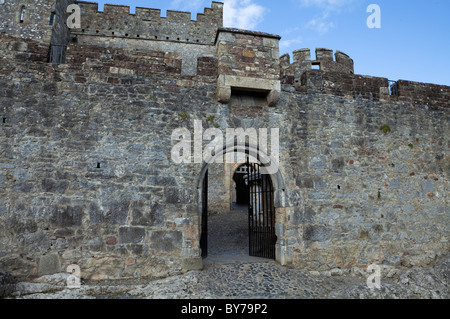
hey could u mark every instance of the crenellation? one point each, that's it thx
(148, 23)
(88, 8)
(324, 54)
(148, 13)
(114, 9)
(178, 16)
(302, 55)
(345, 61)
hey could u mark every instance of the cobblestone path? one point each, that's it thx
(231, 273)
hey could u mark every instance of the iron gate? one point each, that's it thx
(204, 234)
(261, 213)
(57, 54)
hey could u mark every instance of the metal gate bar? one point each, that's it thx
(261, 213)
(57, 54)
(204, 234)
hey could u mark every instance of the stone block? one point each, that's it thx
(337, 164)
(154, 217)
(66, 216)
(111, 240)
(304, 182)
(7, 284)
(176, 196)
(301, 216)
(419, 259)
(49, 264)
(51, 186)
(317, 195)
(166, 241)
(131, 235)
(428, 186)
(318, 162)
(111, 212)
(316, 233)
(189, 264)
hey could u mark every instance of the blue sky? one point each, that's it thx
(413, 42)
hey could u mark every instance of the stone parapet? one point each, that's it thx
(248, 61)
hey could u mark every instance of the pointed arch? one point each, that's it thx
(276, 179)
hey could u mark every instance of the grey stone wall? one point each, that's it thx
(177, 26)
(36, 20)
(370, 181)
(86, 174)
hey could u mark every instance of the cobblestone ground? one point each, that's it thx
(230, 273)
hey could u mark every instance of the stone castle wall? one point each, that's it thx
(86, 174)
(35, 25)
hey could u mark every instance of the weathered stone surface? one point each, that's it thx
(421, 259)
(131, 235)
(316, 233)
(303, 217)
(86, 170)
(7, 284)
(66, 216)
(166, 241)
(112, 212)
(154, 217)
(49, 264)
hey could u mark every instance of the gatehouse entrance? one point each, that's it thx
(250, 225)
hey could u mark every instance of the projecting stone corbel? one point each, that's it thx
(273, 97)
(223, 94)
(225, 83)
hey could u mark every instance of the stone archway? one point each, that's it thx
(278, 190)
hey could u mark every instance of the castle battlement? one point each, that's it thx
(146, 13)
(147, 23)
(324, 61)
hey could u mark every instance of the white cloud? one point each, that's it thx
(190, 6)
(320, 24)
(241, 14)
(327, 4)
(244, 14)
(290, 30)
(287, 43)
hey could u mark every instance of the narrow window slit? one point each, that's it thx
(22, 14)
(52, 18)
